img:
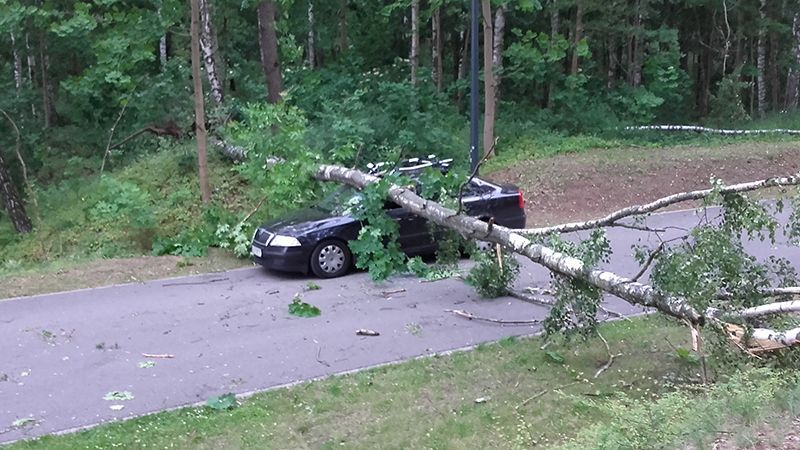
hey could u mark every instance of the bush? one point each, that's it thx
(491, 280)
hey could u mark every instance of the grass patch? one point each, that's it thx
(430, 402)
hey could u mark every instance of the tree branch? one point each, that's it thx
(611, 219)
(559, 263)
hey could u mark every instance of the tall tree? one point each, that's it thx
(436, 47)
(12, 201)
(497, 44)
(489, 103)
(578, 36)
(761, 59)
(793, 77)
(17, 63)
(414, 54)
(268, 40)
(312, 41)
(199, 106)
(210, 50)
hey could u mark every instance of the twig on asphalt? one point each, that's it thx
(388, 293)
(529, 298)
(158, 355)
(189, 283)
(321, 361)
(470, 316)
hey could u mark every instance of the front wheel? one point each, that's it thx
(331, 259)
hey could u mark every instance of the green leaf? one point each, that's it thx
(554, 357)
(300, 308)
(223, 402)
(118, 396)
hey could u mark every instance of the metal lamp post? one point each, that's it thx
(474, 117)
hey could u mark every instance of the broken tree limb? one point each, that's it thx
(722, 131)
(770, 309)
(470, 316)
(559, 263)
(637, 210)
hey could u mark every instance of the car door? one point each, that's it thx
(415, 236)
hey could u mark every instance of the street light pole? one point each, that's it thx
(474, 117)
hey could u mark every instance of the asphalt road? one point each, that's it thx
(60, 354)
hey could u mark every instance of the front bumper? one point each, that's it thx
(284, 259)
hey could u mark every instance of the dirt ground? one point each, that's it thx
(586, 185)
(563, 188)
(114, 271)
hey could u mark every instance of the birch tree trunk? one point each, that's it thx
(11, 200)
(48, 95)
(497, 50)
(635, 62)
(436, 50)
(577, 37)
(209, 48)
(162, 47)
(17, 63)
(414, 56)
(772, 68)
(312, 45)
(489, 102)
(199, 107)
(268, 40)
(793, 78)
(761, 59)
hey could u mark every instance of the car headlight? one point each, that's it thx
(284, 241)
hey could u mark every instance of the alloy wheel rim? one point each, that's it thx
(331, 258)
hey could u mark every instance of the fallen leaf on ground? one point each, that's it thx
(225, 401)
(117, 407)
(118, 396)
(146, 364)
(365, 332)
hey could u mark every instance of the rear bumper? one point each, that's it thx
(284, 259)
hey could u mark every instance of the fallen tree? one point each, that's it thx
(574, 269)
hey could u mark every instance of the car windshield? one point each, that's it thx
(342, 201)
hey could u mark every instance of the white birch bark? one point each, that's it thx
(559, 263)
(722, 131)
(17, 63)
(497, 45)
(436, 50)
(312, 45)
(793, 78)
(208, 46)
(614, 217)
(489, 84)
(761, 60)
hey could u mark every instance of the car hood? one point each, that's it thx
(304, 221)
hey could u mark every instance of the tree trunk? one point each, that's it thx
(761, 60)
(414, 56)
(793, 79)
(774, 79)
(555, 26)
(611, 73)
(17, 63)
(199, 107)
(48, 96)
(312, 45)
(210, 49)
(162, 47)
(577, 37)
(268, 39)
(436, 48)
(342, 32)
(497, 50)
(12, 201)
(489, 102)
(637, 50)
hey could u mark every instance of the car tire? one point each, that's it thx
(330, 259)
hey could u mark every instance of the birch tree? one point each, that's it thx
(489, 85)
(199, 104)
(414, 52)
(210, 50)
(761, 59)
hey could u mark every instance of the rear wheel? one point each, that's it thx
(331, 259)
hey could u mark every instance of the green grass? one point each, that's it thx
(119, 215)
(430, 402)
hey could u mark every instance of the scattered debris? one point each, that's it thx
(387, 294)
(273, 292)
(103, 346)
(469, 316)
(312, 286)
(300, 308)
(481, 400)
(414, 328)
(222, 402)
(189, 283)
(116, 407)
(147, 364)
(554, 357)
(118, 396)
(158, 355)
(319, 359)
(366, 332)
(24, 422)
(541, 393)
